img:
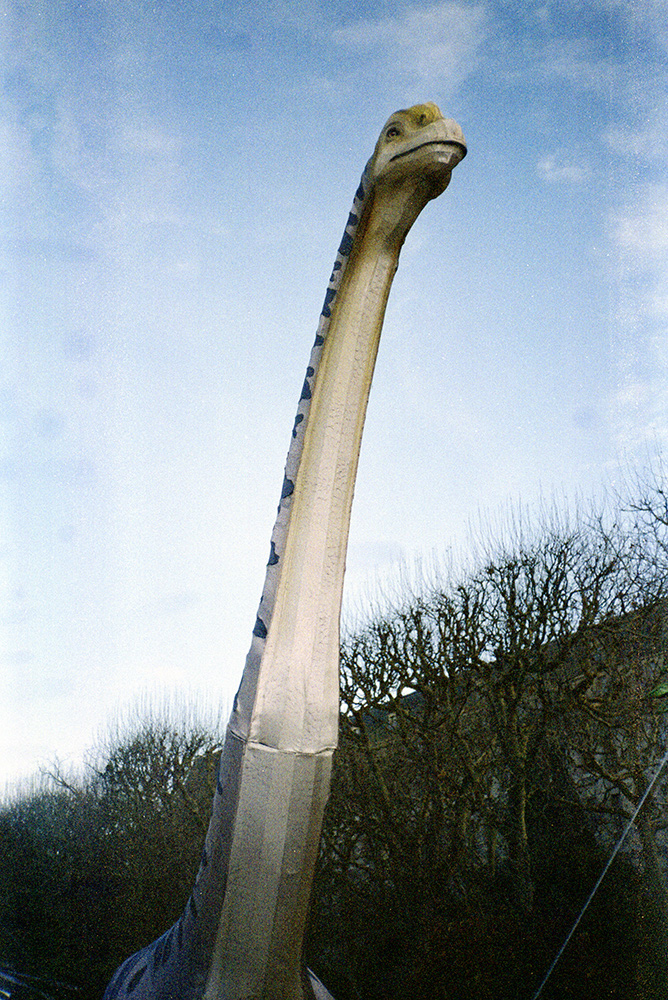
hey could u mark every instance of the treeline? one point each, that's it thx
(91, 869)
(498, 735)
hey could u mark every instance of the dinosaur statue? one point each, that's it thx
(241, 934)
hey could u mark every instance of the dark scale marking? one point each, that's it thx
(288, 488)
(346, 245)
(337, 267)
(352, 220)
(260, 629)
(205, 858)
(298, 420)
(134, 982)
(359, 194)
(329, 298)
(273, 556)
(319, 341)
(306, 391)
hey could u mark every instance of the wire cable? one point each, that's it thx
(601, 876)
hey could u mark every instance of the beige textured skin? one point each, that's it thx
(241, 937)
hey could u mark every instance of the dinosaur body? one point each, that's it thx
(241, 934)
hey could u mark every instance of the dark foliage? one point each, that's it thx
(497, 737)
(90, 872)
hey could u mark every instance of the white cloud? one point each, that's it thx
(433, 45)
(648, 16)
(640, 234)
(639, 415)
(642, 228)
(648, 142)
(553, 169)
(574, 60)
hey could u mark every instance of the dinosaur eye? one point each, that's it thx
(392, 132)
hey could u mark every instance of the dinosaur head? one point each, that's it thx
(418, 141)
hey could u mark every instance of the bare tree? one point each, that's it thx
(472, 719)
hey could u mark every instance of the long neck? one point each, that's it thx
(285, 539)
(241, 934)
(289, 693)
(286, 713)
(297, 694)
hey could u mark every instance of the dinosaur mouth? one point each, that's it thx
(432, 142)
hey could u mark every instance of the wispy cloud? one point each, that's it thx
(648, 16)
(640, 233)
(434, 45)
(577, 62)
(648, 141)
(554, 168)
(640, 417)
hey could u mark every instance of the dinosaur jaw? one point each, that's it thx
(452, 145)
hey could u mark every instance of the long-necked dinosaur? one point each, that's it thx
(242, 932)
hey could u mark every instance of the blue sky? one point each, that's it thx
(176, 179)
